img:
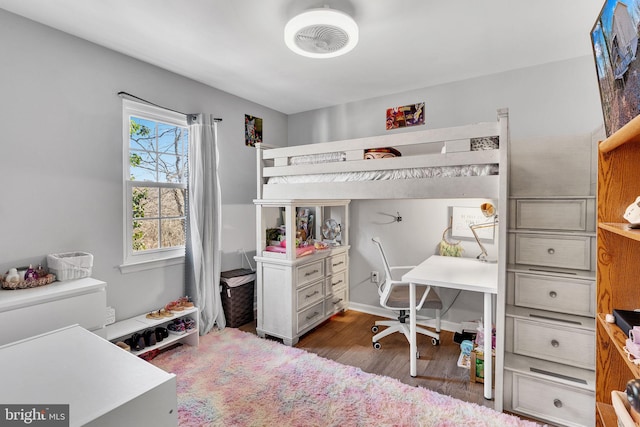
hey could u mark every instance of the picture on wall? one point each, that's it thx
(614, 38)
(408, 115)
(252, 130)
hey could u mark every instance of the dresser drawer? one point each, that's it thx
(553, 251)
(336, 302)
(561, 215)
(552, 401)
(308, 273)
(336, 263)
(310, 316)
(335, 282)
(561, 344)
(553, 293)
(310, 294)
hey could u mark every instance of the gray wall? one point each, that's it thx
(554, 112)
(61, 158)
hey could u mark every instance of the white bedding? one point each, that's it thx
(394, 174)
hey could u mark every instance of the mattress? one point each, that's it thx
(392, 174)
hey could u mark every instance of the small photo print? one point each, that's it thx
(408, 115)
(252, 130)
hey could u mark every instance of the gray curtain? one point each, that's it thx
(204, 223)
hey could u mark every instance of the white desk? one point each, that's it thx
(467, 274)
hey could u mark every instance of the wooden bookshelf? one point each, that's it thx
(618, 269)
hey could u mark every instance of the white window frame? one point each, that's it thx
(152, 258)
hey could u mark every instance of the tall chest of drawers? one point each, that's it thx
(550, 327)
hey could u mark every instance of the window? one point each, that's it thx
(155, 183)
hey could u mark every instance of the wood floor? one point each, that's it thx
(346, 338)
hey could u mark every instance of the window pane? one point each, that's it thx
(145, 202)
(142, 134)
(170, 169)
(145, 234)
(170, 139)
(173, 232)
(172, 202)
(142, 166)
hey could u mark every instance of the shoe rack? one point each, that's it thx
(124, 329)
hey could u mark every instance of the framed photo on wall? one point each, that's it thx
(614, 38)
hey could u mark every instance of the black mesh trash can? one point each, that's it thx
(237, 296)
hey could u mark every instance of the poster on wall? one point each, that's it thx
(408, 115)
(252, 130)
(614, 38)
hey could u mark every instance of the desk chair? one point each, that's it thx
(394, 295)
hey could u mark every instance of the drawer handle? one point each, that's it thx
(315, 293)
(557, 403)
(309, 273)
(551, 251)
(555, 343)
(553, 294)
(338, 263)
(315, 314)
(336, 283)
(337, 302)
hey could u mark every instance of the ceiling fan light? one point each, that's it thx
(321, 33)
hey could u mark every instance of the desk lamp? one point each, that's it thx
(489, 211)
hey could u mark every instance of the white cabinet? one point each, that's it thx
(550, 315)
(28, 312)
(296, 290)
(102, 384)
(124, 329)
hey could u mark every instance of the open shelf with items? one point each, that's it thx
(299, 286)
(122, 330)
(617, 268)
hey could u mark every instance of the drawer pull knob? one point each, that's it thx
(315, 293)
(551, 251)
(553, 294)
(557, 403)
(555, 343)
(309, 273)
(315, 313)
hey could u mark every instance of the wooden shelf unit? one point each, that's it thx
(618, 270)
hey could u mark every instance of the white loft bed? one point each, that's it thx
(419, 149)
(422, 171)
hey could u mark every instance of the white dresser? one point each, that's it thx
(102, 384)
(550, 325)
(28, 312)
(296, 293)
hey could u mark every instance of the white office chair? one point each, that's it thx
(394, 295)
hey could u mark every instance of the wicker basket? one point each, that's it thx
(237, 299)
(70, 265)
(33, 283)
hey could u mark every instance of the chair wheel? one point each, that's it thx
(435, 341)
(417, 355)
(374, 329)
(377, 345)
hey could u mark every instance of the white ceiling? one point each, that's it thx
(237, 45)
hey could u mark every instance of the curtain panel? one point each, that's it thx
(204, 222)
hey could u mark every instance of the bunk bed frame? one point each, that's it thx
(275, 162)
(420, 149)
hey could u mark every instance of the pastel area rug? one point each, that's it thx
(235, 378)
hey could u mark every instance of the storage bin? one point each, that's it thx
(70, 265)
(237, 287)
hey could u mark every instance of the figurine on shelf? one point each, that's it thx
(12, 276)
(30, 274)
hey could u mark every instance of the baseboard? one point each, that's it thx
(445, 325)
